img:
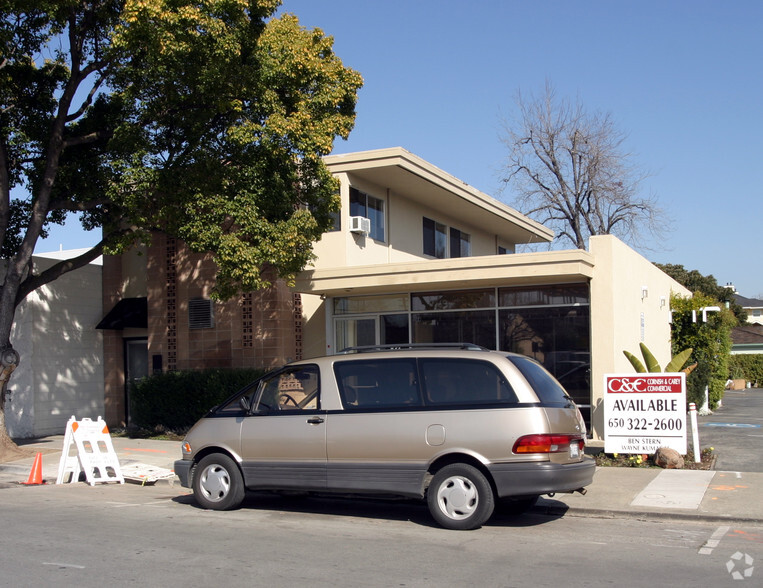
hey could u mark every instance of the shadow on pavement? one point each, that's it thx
(411, 510)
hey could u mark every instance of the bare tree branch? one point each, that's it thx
(568, 169)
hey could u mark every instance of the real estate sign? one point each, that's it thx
(643, 412)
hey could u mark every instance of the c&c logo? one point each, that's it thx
(626, 385)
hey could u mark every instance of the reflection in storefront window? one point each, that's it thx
(453, 300)
(556, 294)
(476, 327)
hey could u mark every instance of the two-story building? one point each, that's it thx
(416, 256)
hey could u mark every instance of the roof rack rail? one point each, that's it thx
(405, 346)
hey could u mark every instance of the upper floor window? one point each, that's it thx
(435, 238)
(437, 244)
(460, 243)
(362, 204)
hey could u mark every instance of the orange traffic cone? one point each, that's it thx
(35, 475)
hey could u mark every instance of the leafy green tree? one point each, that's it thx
(205, 119)
(708, 285)
(710, 341)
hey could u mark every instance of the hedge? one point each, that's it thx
(176, 400)
(747, 367)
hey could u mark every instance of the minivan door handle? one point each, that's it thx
(316, 420)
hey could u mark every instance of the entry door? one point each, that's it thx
(136, 367)
(377, 329)
(355, 332)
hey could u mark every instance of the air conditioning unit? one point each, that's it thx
(360, 224)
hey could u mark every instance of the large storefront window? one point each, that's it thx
(548, 323)
(476, 327)
(551, 325)
(453, 300)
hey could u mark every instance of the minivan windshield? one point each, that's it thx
(548, 390)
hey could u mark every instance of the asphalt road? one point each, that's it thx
(736, 431)
(85, 536)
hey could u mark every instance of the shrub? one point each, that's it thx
(711, 342)
(747, 367)
(176, 400)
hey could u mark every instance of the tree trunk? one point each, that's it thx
(9, 360)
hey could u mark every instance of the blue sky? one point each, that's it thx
(682, 79)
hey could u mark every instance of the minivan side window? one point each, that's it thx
(549, 391)
(464, 382)
(291, 389)
(381, 383)
(238, 404)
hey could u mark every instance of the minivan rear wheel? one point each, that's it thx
(460, 497)
(217, 483)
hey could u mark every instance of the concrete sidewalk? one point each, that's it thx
(642, 493)
(645, 493)
(151, 453)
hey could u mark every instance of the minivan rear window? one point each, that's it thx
(549, 391)
(464, 382)
(380, 383)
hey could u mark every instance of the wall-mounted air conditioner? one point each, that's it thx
(360, 224)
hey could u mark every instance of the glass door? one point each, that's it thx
(384, 329)
(136, 366)
(355, 332)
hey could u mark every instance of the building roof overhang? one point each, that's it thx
(127, 313)
(405, 173)
(553, 267)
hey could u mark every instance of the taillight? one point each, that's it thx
(548, 443)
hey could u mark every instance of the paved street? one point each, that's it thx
(155, 535)
(635, 527)
(736, 431)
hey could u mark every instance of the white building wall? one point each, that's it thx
(630, 304)
(61, 368)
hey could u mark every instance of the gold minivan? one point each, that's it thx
(461, 426)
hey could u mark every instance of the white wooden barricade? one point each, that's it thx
(95, 455)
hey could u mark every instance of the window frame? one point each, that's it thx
(460, 243)
(362, 204)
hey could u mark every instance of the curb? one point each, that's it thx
(604, 513)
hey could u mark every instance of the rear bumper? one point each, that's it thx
(183, 471)
(524, 479)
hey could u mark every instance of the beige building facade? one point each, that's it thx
(416, 256)
(574, 311)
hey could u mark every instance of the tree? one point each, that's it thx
(205, 119)
(571, 174)
(710, 341)
(707, 285)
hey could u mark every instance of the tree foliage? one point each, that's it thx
(570, 172)
(710, 340)
(205, 119)
(708, 285)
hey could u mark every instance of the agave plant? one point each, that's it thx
(653, 366)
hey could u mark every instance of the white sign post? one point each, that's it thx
(644, 412)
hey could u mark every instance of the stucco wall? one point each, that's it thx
(403, 231)
(622, 316)
(61, 368)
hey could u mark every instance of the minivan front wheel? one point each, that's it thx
(460, 497)
(217, 483)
